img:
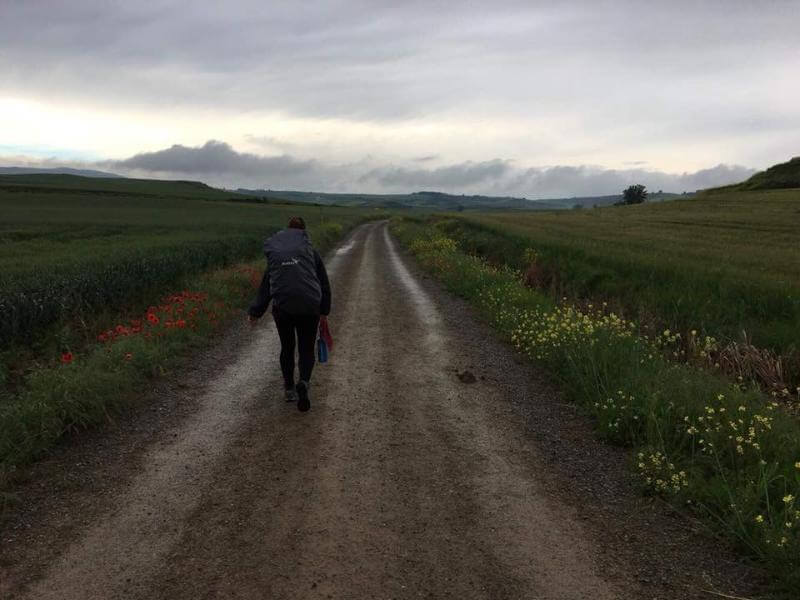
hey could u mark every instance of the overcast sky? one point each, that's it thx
(535, 99)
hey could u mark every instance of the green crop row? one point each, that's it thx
(29, 305)
(728, 269)
(66, 254)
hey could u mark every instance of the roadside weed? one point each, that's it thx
(83, 386)
(722, 448)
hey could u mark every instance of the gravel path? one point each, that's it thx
(433, 463)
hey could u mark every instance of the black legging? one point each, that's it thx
(305, 327)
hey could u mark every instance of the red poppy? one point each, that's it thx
(152, 318)
(180, 323)
(66, 358)
(128, 356)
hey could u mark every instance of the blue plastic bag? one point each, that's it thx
(322, 351)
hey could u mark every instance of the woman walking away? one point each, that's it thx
(297, 284)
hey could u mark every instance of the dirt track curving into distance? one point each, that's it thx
(432, 464)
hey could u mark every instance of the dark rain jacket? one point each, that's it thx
(295, 279)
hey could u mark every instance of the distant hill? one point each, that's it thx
(421, 200)
(56, 171)
(429, 200)
(780, 176)
(43, 180)
(114, 186)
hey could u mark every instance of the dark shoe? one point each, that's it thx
(291, 395)
(303, 402)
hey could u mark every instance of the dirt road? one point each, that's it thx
(432, 464)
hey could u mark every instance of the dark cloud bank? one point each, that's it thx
(219, 164)
(213, 158)
(451, 176)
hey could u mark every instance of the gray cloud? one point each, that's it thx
(501, 177)
(449, 177)
(561, 83)
(388, 60)
(219, 164)
(583, 180)
(213, 158)
(271, 142)
(715, 176)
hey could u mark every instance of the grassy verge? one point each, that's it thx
(751, 313)
(724, 262)
(700, 441)
(83, 385)
(98, 367)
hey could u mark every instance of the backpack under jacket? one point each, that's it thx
(291, 266)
